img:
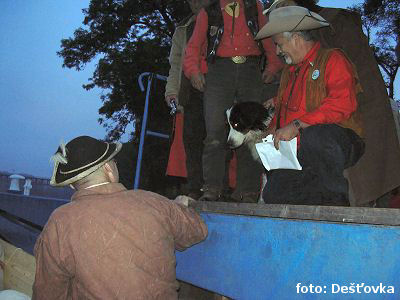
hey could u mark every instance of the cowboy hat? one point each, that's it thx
(291, 18)
(273, 6)
(79, 158)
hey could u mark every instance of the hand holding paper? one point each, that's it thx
(284, 158)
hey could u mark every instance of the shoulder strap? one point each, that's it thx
(215, 29)
(214, 14)
(251, 12)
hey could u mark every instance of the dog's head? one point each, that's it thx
(247, 121)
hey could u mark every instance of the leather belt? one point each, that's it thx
(240, 59)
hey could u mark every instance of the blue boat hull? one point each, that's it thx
(266, 251)
(250, 257)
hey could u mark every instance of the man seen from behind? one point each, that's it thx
(109, 242)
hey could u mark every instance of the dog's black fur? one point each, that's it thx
(248, 122)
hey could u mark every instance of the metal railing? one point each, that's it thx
(143, 131)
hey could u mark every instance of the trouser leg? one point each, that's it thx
(249, 88)
(290, 187)
(325, 151)
(248, 176)
(193, 137)
(227, 82)
(218, 97)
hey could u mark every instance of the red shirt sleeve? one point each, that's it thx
(273, 121)
(340, 101)
(194, 61)
(274, 64)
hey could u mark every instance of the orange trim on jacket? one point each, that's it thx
(340, 101)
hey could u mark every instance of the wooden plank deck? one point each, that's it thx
(19, 268)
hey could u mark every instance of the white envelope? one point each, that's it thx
(284, 158)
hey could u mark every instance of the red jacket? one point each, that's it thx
(340, 102)
(242, 43)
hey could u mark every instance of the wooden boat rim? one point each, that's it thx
(354, 215)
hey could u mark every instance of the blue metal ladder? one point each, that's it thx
(143, 131)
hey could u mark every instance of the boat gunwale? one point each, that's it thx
(337, 214)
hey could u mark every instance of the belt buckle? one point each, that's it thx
(239, 59)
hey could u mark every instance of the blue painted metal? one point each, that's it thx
(141, 76)
(157, 134)
(30, 208)
(264, 251)
(144, 121)
(247, 257)
(143, 131)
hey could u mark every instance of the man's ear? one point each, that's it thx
(107, 167)
(297, 39)
(110, 172)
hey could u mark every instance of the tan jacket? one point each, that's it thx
(176, 56)
(111, 243)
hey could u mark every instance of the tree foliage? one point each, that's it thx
(381, 23)
(127, 38)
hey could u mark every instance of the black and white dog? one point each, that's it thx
(248, 122)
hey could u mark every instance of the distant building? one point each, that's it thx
(40, 186)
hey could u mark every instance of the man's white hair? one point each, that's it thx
(306, 35)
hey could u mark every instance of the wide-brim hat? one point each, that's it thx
(273, 6)
(79, 158)
(289, 19)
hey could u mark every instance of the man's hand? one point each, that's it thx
(268, 77)
(170, 97)
(285, 134)
(198, 81)
(184, 200)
